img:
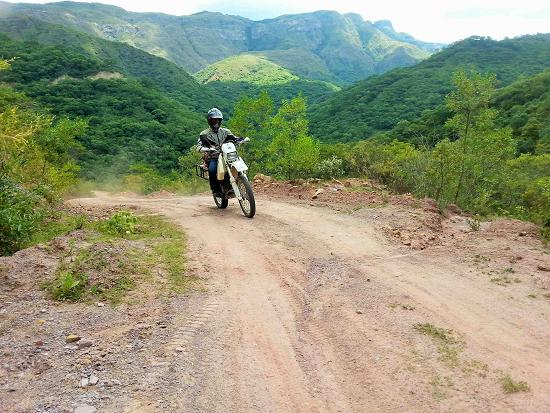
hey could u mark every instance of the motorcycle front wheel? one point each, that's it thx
(220, 202)
(248, 203)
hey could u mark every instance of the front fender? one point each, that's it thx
(239, 166)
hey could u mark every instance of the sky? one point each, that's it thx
(430, 20)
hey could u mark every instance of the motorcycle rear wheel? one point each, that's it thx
(248, 203)
(221, 203)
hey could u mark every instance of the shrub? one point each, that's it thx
(21, 212)
(68, 286)
(332, 167)
(511, 386)
(122, 223)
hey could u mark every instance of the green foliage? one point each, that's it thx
(57, 223)
(313, 90)
(509, 385)
(435, 332)
(295, 154)
(379, 103)
(123, 223)
(476, 169)
(248, 68)
(36, 165)
(393, 164)
(525, 107)
(67, 286)
(477, 158)
(251, 118)
(131, 120)
(322, 45)
(331, 168)
(21, 213)
(526, 191)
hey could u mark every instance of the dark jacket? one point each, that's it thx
(208, 138)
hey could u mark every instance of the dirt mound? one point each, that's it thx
(513, 227)
(161, 194)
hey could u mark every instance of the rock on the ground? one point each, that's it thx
(93, 380)
(85, 408)
(72, 338)
(84, 343)
(263, 178)
(317, 193)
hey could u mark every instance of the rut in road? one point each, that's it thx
(308, 310)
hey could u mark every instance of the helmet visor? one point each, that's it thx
(214, 121)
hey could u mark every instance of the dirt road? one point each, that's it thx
(310, 310)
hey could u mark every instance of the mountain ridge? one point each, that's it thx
(351, 48)
(378, 103)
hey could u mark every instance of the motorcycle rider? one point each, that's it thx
(214, 137)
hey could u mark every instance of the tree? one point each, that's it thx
(295, 154)
(252, 118)
(477, 157)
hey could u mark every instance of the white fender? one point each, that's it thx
(239, 165)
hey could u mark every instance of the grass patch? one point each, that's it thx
(478, 258)
(449, 347)
(122, 223)
(435, 332)
(68, 286)
(115, 291)
(504, 280)
(475, 367)
(511, 386)
(119, 254)
(439, 386)
(57, 225)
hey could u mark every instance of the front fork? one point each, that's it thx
(233, 182)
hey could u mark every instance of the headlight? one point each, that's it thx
(232, 156)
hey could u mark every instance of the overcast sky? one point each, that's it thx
(430, 20)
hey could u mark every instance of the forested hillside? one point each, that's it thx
(115, 56)
(523, 106)
(379, 103)
(131, 119)
(323, 45)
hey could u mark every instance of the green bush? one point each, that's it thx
(392, 164)
(332, 167)
(68, 286)
(122, 223)
(21, 213)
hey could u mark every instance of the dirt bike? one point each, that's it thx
(235, 183)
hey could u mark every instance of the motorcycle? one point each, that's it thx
(235, 183)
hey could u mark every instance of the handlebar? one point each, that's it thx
(212, 149)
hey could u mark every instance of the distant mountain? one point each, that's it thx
(165, 75)
(323, 45)
(379, 103)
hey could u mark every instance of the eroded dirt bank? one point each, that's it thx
(304, 309)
